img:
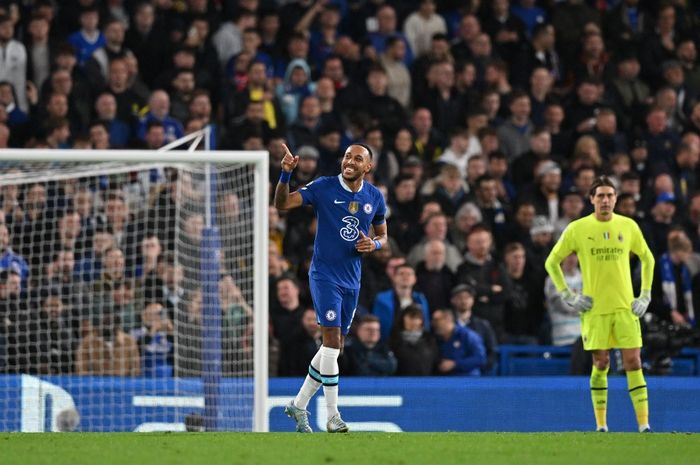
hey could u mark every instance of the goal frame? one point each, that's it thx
(258, 158)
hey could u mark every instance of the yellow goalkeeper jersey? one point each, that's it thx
(603, 249)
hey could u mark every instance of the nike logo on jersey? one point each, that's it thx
(589, 237)
(338, 201)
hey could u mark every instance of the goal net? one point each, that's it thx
(133, 292)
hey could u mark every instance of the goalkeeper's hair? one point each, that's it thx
(601, 181)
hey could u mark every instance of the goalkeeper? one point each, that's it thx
(609, 311)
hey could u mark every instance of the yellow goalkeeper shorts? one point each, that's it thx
(619, 330)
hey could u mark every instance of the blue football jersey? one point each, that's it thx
(341, 214)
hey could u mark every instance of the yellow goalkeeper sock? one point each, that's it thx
(640, 400)
(599, 396)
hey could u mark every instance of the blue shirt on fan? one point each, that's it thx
(341, 214)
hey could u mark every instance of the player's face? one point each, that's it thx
(604, 201)
(356, 163)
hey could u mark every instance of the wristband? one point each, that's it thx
(377, 244)
(285, 176)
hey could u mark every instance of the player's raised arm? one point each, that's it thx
(283, 199)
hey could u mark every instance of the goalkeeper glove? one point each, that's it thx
(641, 303)
(579, 302)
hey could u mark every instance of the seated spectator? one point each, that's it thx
(165, 285)
(9, 260)
(301, 346)
(462, 301)
(435, 228)
(487, 276)
(462, 351)
(108, 350)
(673, 282)
(388, 304)
(433, 276)
(41, 339)
(565, 321)
(415, 348)
(523, 314)
(286, 316)
(159, 110)
(296, 86)
(155, 341)
(365, 354)
(449, 189)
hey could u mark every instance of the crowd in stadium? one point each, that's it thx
(488, 122)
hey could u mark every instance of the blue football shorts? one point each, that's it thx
(335, 305)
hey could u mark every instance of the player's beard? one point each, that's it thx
(354, 178)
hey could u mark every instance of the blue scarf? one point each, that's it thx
(668, 284)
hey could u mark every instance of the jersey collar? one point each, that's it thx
(345, 186)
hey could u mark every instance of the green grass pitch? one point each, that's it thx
(354, 448)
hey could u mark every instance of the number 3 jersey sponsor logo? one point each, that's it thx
(350, 231)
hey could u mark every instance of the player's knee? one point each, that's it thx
(632, 363)
(601, 361)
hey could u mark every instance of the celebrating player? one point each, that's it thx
(345, 207)
(609, 312)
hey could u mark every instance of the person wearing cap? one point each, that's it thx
(603, 242)
(660, 222)
(462, 302)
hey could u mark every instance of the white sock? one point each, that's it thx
(329, 373)
(310, 386)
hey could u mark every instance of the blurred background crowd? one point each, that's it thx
(488, 121)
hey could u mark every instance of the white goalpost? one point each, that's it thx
(134, 289)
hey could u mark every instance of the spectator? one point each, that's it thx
(495, 214)
(415, 348)
(523, 315)
(513, 135)
(301, 346)
(462, 351)
(435, 228)
(421, 26)
(89, 38)
(572, 204)
(433, 277)
(566, 322)
(159, 110)
(656, 228)
(388, 304)
(106, 110)
(155, 341)
(487, 276)
(366, 354)
(462, 301)
(674, 290)
(14, 61)
(287, 315)
(108, 350)
(9, 260)
(398, 77)
(386, 28)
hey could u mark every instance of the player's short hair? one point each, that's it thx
(366, 147)
(601, 181)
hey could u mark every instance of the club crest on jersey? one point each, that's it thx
(367, 208)
(606, 235)
(353, 207)
(330, 315)
(619, 237)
